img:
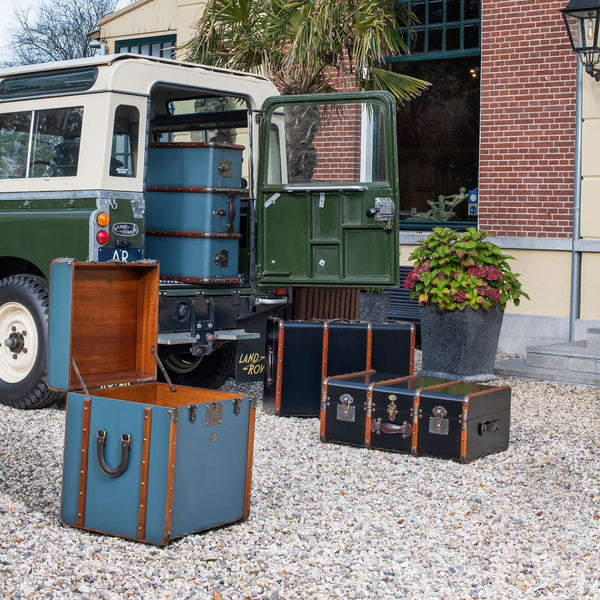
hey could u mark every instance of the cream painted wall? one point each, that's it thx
(590, 159)
(590, 198)
(545, 276)
(147, 18)
(590, 291)
(590, 207)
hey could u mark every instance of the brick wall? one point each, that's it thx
(527, 120)
(338, 144)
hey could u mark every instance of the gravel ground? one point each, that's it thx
(331, 521)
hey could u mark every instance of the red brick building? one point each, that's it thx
(517, 150)
(498, 120)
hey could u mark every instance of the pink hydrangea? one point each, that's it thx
(414, 276)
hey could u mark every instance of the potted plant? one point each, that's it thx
(463, 284)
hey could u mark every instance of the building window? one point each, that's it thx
(438, 133)
(443, 28)
(438, 144)
(162, 46)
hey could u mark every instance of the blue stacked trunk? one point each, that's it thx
(142, 460)
(193, 210)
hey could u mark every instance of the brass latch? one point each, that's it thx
(392, 408)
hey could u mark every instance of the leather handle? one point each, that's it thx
(270, 365)
(231, 202)
(125, 446)
(489, 426)
(405, 430)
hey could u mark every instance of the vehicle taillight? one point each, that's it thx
(102, 219)
(281, 291)
(102, 236)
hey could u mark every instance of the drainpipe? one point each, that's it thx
(575, 254)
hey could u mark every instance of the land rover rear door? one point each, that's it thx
(327, 200)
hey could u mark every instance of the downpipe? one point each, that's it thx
(574, 311)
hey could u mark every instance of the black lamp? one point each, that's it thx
(582, 18)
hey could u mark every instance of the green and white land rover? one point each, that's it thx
(239, 193)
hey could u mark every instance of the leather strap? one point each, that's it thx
(405, 430)
(125, 445)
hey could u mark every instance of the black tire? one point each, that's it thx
(210, 371)
(24, 342)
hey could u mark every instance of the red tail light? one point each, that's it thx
(102, 236)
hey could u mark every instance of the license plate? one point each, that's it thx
(119, 254)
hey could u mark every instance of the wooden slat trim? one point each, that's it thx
(249, 461)
(349, 375)
(326, 303)
(325, 355)
(279, 369)
(463, 429)
(145, 470)
(171, 474)
(323, 411)
(83, 460)
(369, 346)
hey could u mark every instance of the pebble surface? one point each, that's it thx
(330, 521)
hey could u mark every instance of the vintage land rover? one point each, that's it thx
(239, 193)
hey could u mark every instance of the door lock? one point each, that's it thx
(384, 211)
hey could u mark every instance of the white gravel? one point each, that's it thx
(331, 521)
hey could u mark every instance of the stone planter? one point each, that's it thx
(460, 344)
(374, 306)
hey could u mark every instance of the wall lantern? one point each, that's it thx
(582, 18)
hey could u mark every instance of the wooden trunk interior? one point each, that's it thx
(159, 394)
(114, 323)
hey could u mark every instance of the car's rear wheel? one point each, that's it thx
(210, 371)
(24, 342)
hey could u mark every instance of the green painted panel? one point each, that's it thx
(326, 211)
(285, 249)
(325, 261)
(319, 228)
(42, 235)
(367, 255)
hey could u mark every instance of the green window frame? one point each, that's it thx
(442, 29)
(162, 46)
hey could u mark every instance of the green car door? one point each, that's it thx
(327, 203)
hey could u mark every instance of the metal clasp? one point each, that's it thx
(438, 424)
(214, 413)
(345, 412)
(225, 168)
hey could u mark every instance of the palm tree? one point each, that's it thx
(307, 47)
(304, 46)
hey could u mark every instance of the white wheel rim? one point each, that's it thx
(16, 364)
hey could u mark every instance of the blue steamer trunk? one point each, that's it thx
(211, 211)
(196, 258)
(193, 210)
(141, 461)
(195, 164)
